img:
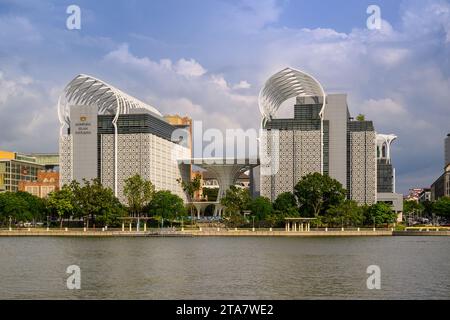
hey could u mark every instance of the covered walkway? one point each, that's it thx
(298, 224)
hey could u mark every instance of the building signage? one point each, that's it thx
(83, 126)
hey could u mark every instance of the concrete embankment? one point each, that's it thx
(220, 233)
(421, 233)
(193, 233)
(232, 233)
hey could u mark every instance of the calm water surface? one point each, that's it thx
(225, 268)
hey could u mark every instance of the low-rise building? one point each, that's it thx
(425, 195)
(15, 168)
(46, 182)
(441, 187)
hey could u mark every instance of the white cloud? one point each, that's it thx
(249, 16)
(206, 98)
(18, 30)
(398, 76)
(386, 107)
(220, 81)
(189, 68)
(242, 85)
(28, 111)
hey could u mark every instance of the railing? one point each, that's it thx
(429, 228)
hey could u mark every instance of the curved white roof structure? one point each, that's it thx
(385, 140)
(87, 90)
(286, 84)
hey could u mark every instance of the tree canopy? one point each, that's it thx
(139, 193)
(316, 193)
(236, 200)
(379, 213)
(95, 202)
(261, 208)
(61, 202)
(192, 186)
(442, 207)
(286, 204)
(166, 205)
(21, 206)
(346, 213)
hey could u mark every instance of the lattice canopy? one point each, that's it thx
(283, 85)
(87, 90)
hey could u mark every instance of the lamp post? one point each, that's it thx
(253, 217)
(10, 223)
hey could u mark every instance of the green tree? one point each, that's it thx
(261, 208)
(286, 204)
(442, 207)
(360, 117)
(347, 212)
(190, 187)
(166, 205)
(236, 200)
(36, 207)
(93, 201)
(316, 193)
(139, 193)
(210, 193)
(379, 213)
(61, 203)
(111, 211)
(21, 206)
(427, 206)
(14, 207)
(411, 206)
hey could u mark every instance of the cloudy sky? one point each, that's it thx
(209, 58)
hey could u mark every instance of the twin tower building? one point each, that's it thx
(323, 137)
(110, 135)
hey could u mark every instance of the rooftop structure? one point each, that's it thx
(110, 135)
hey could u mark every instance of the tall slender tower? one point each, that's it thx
(447, 150)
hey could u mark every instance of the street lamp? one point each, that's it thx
(253, 217)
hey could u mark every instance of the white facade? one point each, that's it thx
(147, 155)
(85, 153)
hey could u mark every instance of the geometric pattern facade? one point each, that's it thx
(65, 160)
(299, 154)
(152, 157)
(363, 167)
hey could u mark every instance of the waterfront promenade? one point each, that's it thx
(223, 232)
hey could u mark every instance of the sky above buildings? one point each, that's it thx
(209, 58)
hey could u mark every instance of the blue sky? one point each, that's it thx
(208, 59)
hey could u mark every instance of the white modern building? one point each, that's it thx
(386, 174)
(109, 135)
(321, 137)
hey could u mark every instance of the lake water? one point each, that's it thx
(225, 268)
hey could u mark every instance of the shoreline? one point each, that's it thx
(218, 233)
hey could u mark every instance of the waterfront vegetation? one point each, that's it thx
(315, 196)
